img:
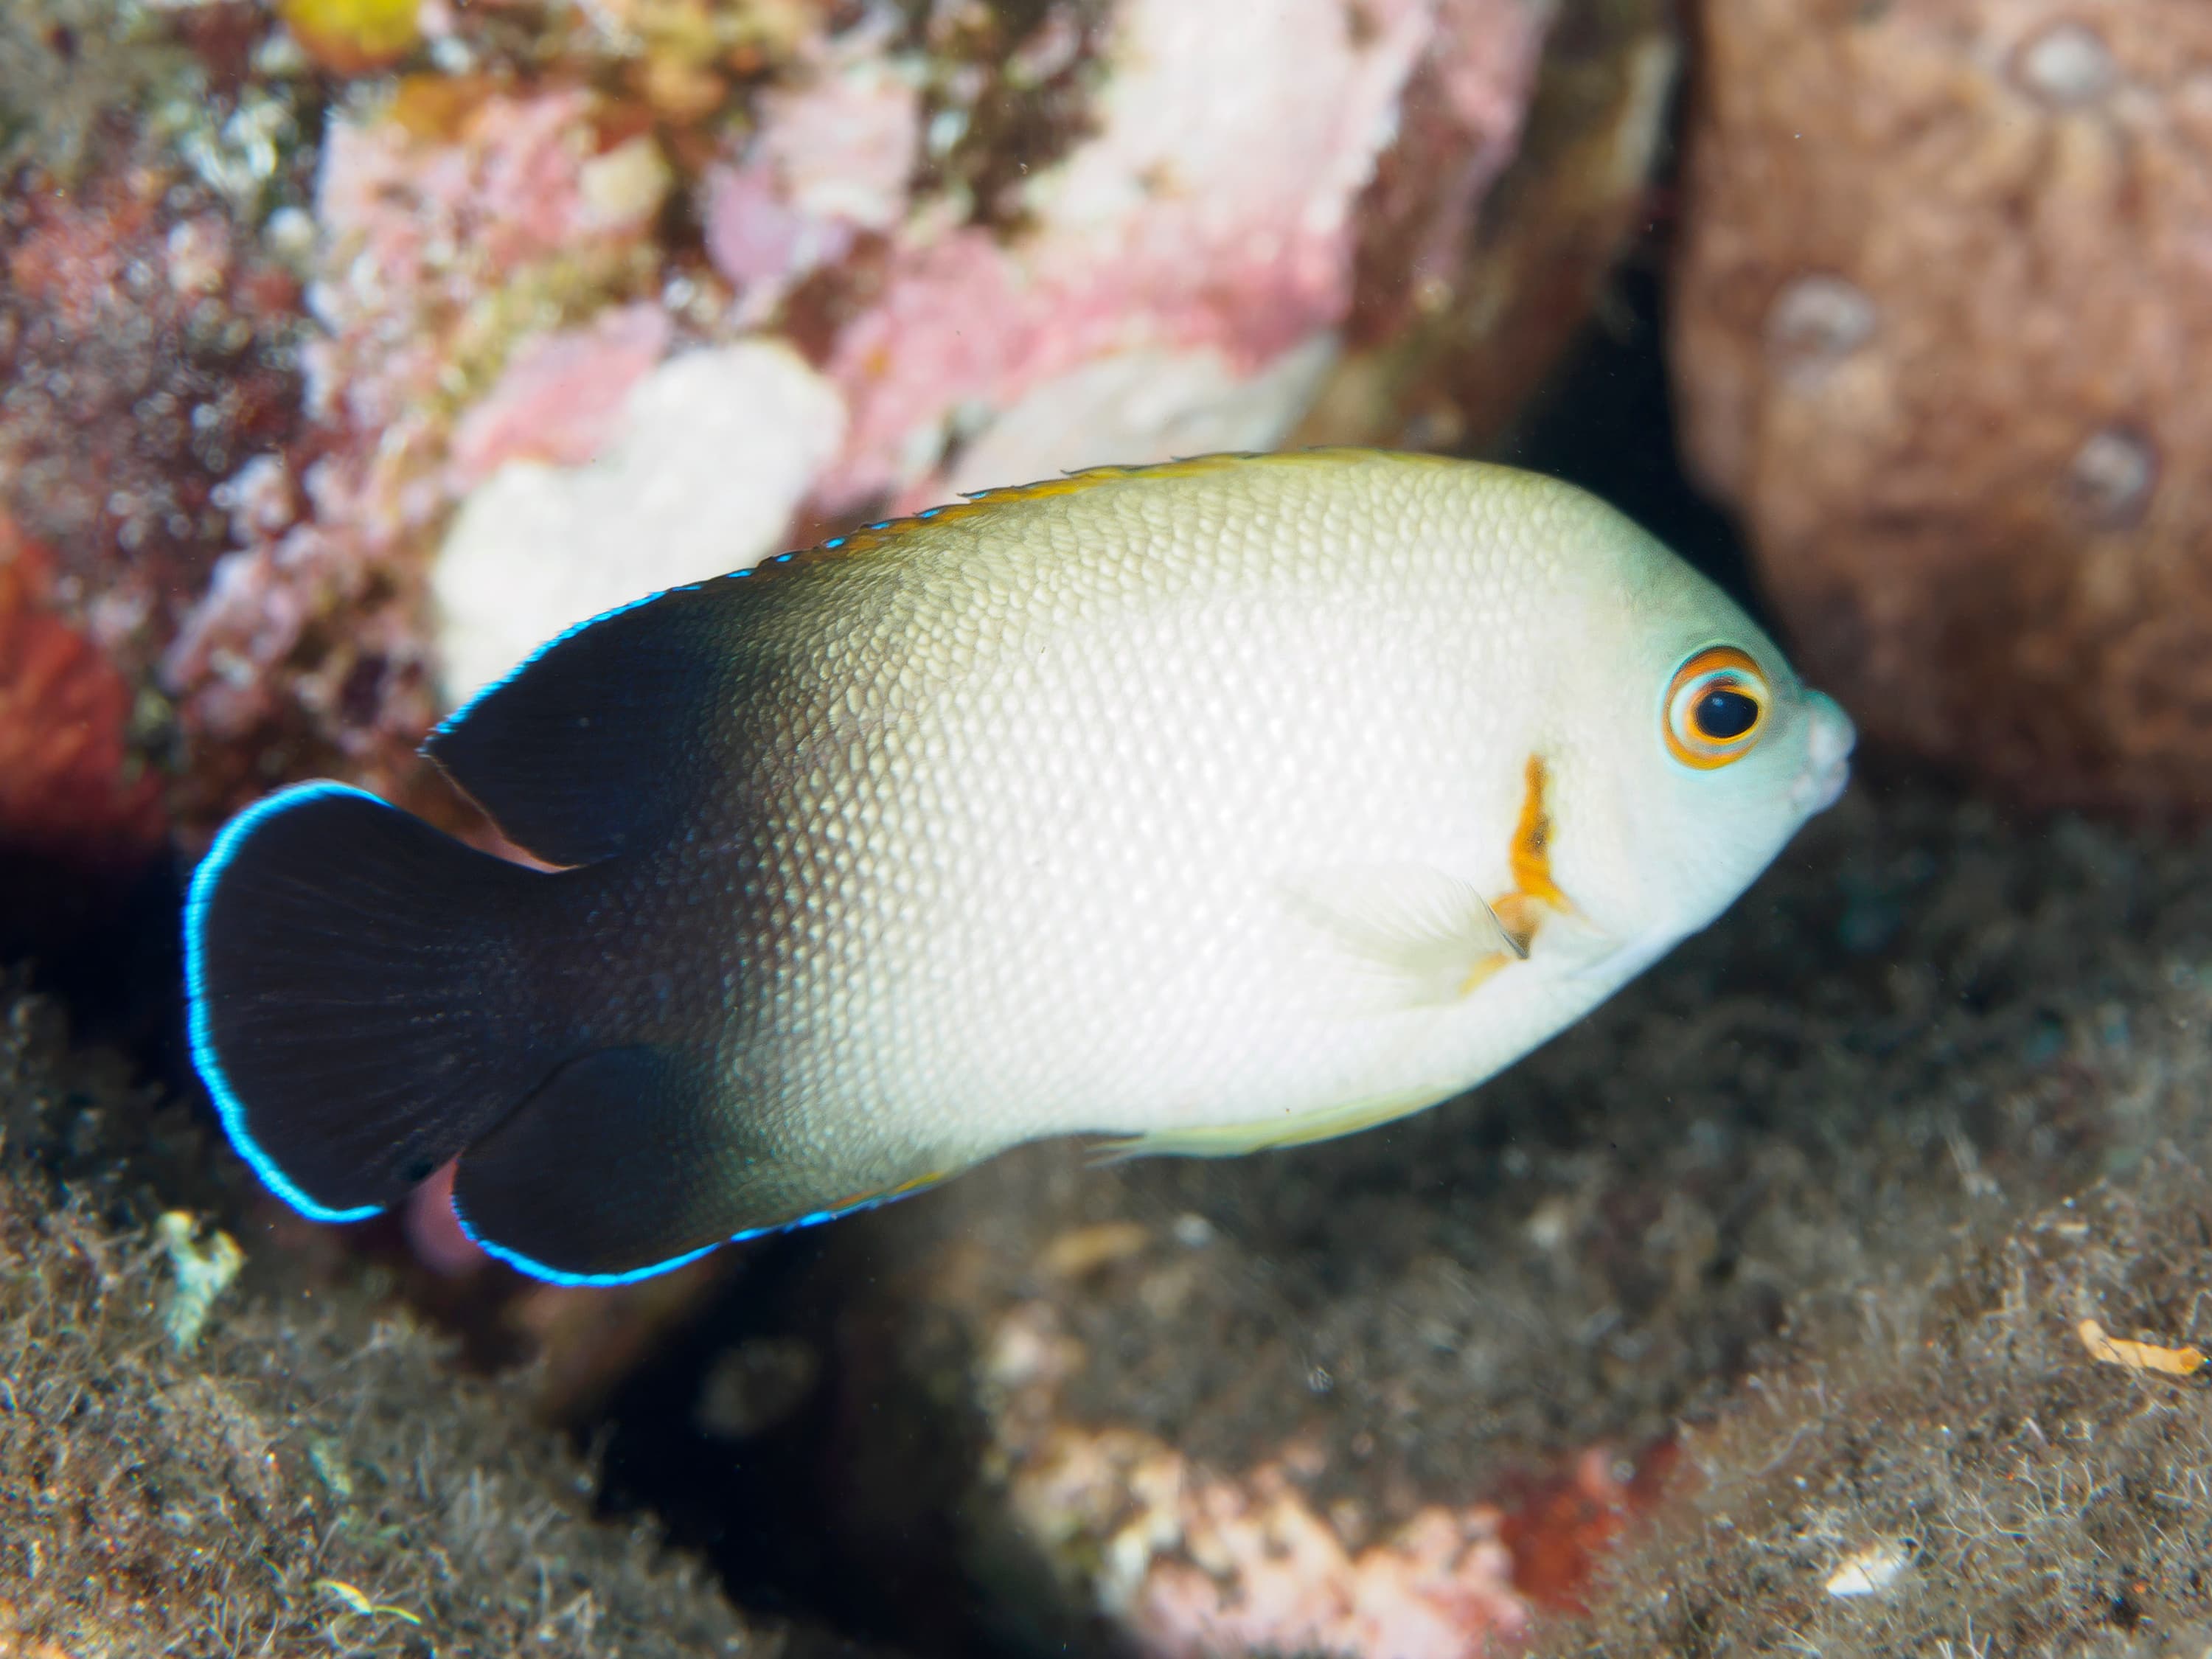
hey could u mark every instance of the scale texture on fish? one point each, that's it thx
(1227, 804)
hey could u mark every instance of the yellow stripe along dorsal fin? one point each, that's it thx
(887, 531)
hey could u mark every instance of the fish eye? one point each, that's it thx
(1716, 705)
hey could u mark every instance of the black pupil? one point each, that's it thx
(1723, 714)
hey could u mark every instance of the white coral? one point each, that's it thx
(713, 452)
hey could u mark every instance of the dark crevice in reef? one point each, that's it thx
(1605, 420)
(751, 1502)
(849, 1510)
(754, 1498)
(105, 944)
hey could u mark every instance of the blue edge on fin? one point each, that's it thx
(569, 633)
(232, 1111)
(227, 1103)
(535, 1269)
(561, 638)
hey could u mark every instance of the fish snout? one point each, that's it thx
(1829, 740)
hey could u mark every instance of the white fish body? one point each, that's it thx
(1180, 782)
(1232, 803)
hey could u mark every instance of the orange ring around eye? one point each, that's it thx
(1718, 667)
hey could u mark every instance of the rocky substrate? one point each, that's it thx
(203, 1455)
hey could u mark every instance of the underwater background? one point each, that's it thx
(1836, 1287)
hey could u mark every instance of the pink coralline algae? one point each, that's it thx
(927, 254)
(705, 464)
(69, 785)
(143, 363)
(558, 399)
(832, 159)
(1207, 214)
(442, 248)
(1169, 280)
(145, 359)
(1191, 1561)
(759, 240)
(1188, 1558)
(1265, 1573)
(1561, 1529)
(456, 233)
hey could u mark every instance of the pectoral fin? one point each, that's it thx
(1423, 936)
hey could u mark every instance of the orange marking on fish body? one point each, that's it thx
(1534, 892)
(1519, 915)
(1532, 841)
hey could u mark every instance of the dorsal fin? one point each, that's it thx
(977, 503)
(596, 738)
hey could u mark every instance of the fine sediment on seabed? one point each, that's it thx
(2015, 1459)
(276, 1466)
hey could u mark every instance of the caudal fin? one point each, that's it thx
(355, 1007)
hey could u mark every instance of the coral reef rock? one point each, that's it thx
(1446, 342)
(1942, 314)
(70, 785)
(703, 475)
(355, 347)
(1392, 1394)
(80, 818)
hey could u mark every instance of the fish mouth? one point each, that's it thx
(1816, 792)
(1828, 746)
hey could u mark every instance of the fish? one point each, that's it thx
(1227, 804)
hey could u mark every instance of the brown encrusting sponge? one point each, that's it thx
(309, 1478)
(1938, 332)
(1975, 1476)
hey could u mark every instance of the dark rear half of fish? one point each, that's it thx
(371, 998)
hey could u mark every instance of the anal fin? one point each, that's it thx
(1233, 1140)
(632, 1161)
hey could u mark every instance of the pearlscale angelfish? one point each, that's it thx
(1228, 803)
